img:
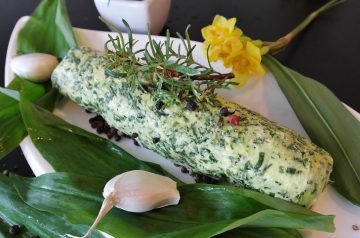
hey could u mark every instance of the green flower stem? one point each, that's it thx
(279, 45)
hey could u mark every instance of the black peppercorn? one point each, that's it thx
(96, 119)
(156, 140)
(117, 137)
(101, 124)
(224, 112)
(106, 128)
(14, 230)
(134, 135)
(100, 129)
(199, 178)
(159, 105)
(109, 135)
(191, 106)
(184, 170)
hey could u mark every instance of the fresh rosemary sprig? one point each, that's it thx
(158, 68)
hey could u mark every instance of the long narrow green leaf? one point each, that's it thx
(11, 126)
(204, 210)
(14, 211)
(48, 30)
(71, 149)
(328, 123)
(261, 233)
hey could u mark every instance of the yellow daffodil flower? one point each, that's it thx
(225, 42)
(212, 50)
(231, 45)
(246, 63)
(219, 30)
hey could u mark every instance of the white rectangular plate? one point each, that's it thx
(262, 95)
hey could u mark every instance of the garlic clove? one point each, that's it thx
(136, 191)
(141, 191)
(35, 67)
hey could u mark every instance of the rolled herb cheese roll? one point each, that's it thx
(244, 148)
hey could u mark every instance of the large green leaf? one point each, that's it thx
(32, 91)
(328, 123)
(259, 232)
(11, 125)
(71, 149)
(204, 210)
(14, 211)
(48, 30)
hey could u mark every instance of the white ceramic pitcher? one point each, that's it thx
(137, 13)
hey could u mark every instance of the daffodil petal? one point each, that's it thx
(237, 32)
(219, 21)
(206, 32)
(230, 24)
(225, 42)
(245, 39)
(259, 69)
(241, 79)
(257, 43)
(253, 51)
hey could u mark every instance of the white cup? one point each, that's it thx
(137, 13)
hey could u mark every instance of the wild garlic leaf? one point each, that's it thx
(204, 210)
(37, 223)
(48, 30)
(328, 123)
(11, 124)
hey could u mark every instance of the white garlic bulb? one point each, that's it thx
(137, 191)
(36, 67)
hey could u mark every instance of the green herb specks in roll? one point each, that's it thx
(255, 153)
